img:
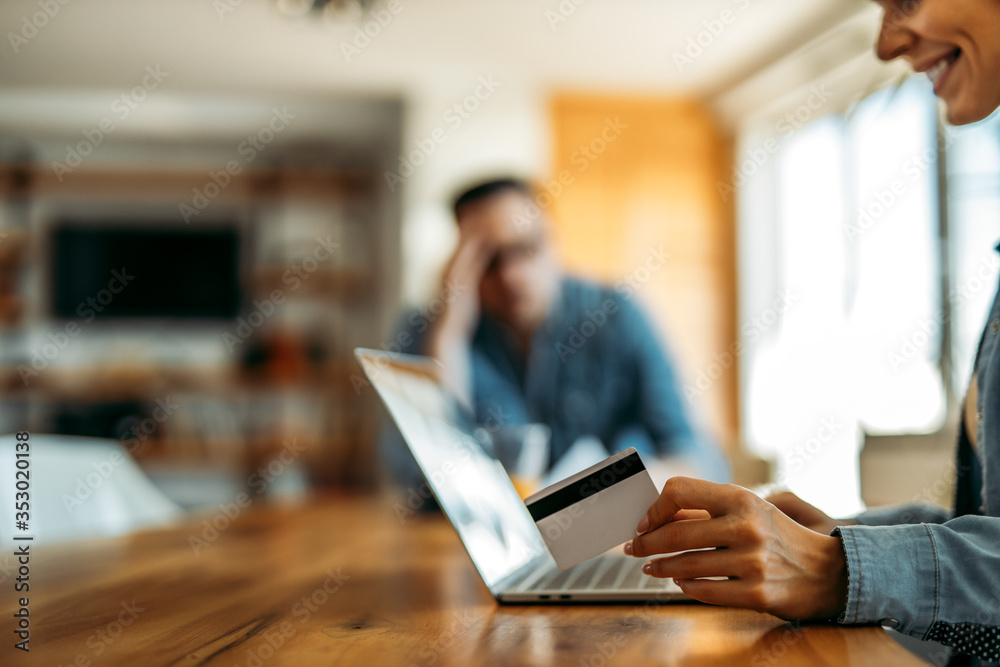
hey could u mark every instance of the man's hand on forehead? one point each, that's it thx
(524, 248)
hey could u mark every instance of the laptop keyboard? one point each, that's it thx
(607, 572)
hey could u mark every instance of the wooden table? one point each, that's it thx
(343, 581)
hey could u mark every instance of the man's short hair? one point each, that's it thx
(486, 189)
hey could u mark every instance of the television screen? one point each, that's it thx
(144, 271)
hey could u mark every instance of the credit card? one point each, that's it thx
(594, 510)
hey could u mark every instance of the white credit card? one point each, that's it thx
(595, 510)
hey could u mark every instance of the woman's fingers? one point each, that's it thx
(686, 493)
(694, 564)
(729, 593)
(682, 536)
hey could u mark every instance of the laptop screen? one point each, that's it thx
(471, 486)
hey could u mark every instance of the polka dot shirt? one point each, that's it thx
(981, 641)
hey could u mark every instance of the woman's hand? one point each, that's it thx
(805, 514)
(771, 563)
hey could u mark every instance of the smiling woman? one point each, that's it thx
(925, 571)
(955, 43)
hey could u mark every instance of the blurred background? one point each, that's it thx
(205, 205)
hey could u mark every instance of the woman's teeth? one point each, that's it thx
(935, 72)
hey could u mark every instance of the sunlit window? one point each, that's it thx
(974, 229)
(895, 312)
(889, 296)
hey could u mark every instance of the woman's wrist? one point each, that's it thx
(831, 573)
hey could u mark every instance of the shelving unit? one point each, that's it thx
(312, 233)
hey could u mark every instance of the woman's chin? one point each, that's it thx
(959, 113)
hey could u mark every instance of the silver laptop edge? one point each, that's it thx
(479, 500)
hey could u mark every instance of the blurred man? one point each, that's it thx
(521, 342)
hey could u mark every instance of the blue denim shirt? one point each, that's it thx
(932, 574)
(595, 368)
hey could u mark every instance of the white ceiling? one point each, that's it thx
(602, 44)
(226, 72)
(92, 50)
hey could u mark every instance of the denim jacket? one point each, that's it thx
(931, 574)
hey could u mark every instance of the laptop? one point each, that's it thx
(476, 494)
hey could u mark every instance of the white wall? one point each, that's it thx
(507, 132)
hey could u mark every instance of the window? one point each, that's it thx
(894, 308)
(973, 159)
(888, 294)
